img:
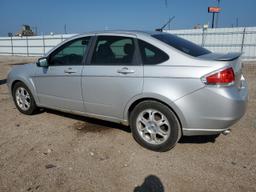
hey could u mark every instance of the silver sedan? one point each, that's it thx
(160, 85)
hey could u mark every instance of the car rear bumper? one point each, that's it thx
(212, 110)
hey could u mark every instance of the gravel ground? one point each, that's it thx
(54, 151)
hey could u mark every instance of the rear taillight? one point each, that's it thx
(225, 77)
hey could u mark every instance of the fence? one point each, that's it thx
(217, 40)
(30, 46)
(223, 39)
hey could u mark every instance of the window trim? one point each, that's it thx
(85, 54)
(135, 59)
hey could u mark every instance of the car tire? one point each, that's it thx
(155, 126)
(24, 99)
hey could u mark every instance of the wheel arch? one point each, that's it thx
(13, 83)
(28, 83)
(171, 105)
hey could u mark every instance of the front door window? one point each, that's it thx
(71, 53)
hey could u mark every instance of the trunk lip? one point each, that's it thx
(222, 56)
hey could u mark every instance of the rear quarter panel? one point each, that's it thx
(176, 78)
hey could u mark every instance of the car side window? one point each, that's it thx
(150, 54)
(113, 50)
(70, 53)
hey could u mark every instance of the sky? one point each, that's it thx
(89, 15)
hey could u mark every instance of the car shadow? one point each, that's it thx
(198, 139)
(110, 125)
(3, 81)
(102, 123)
(17, 63)
(151, 184)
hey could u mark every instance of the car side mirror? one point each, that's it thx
(42, 62)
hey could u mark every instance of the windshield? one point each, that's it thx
(181, 44)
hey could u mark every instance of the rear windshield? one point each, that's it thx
(181, 44)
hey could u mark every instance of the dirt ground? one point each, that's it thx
(54, 151)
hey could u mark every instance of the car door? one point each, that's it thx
(59, 84)
(112, 76)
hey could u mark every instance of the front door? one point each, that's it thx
(59, 84)
(112, 77)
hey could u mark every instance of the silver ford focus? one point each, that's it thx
(160, 85)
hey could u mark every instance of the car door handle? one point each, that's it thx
(69, 71)
(125, 71)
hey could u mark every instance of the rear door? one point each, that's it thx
(112, 76)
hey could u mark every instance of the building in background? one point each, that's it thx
(25, 31)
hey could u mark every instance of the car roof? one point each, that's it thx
(136, 33)
(123, 32)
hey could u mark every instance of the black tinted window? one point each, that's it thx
(113, 50)
(70, 53)
(182, 44)
(150, 54)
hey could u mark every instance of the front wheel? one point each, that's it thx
(23, 99)
(155, 126)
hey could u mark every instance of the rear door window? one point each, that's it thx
(113, 50)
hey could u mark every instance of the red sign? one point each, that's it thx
(214, 9)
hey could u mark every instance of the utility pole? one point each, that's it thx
(169, 24)
(166, 3)
(170, 19)
(217, 16)
(213, 10)
(35, 30)
(213, 19)
(65, 29)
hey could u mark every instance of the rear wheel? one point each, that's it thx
(23, 99)
(155, 126)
